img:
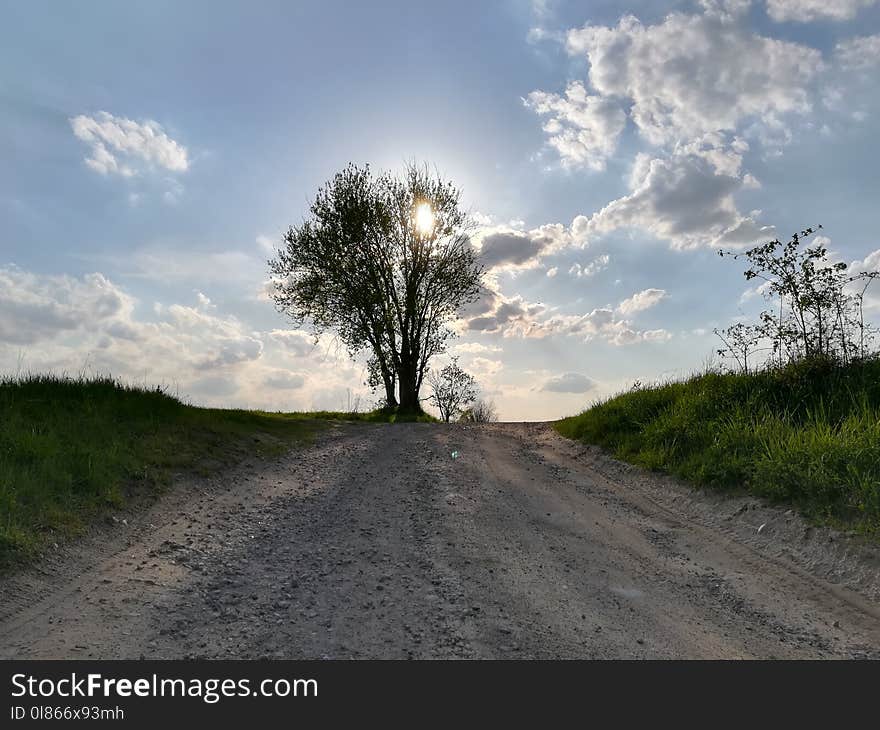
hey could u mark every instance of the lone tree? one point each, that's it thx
(453, 389)
(384, 262)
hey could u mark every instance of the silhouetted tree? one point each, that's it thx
(384, 262)
(818, 308)
(453, 389)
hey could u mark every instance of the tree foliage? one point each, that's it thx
(363, 266)
(452, 390)
(818, 306)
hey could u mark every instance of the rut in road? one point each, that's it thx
(376, 542)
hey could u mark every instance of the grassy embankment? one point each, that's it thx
(807, 435)
(71, 448)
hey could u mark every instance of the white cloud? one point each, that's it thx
(299, 342)
(483, 367)
(682, 198)
(515, 317)
(602, 323)
(869, 264)
(859, 53)
(475, 348)
(36, 308)
(754, 292)
(658, 335)
(99, 315)
(569, 383)
(640, 301)
(698, 87)
(124, 147)
(805, 11)
(600, 263)
(507, 247)
(497, 313)
(695, 74)
(582, 127)
(70, 324)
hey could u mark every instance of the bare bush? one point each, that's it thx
(483, 411)
(817, 306)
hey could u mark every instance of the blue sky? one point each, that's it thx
(153, 155)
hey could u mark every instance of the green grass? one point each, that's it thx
(72, 448)
(807, 435)
(383, 415)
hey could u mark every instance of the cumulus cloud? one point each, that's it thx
(805, 11)
(497, 313)
(869, 264)
(483, 367)
(641, 301)
(699, 88)
(695, 74)
(35, 308)
(125, 147)
(92, 314)
(582, 127)
(569, 383)
(299, 342)
(515, 317)
(602, 323)
(684, 198)
(65, 324)
(509, 247)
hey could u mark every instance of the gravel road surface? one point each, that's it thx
(377, 542)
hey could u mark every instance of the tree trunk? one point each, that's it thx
(409, 392)
(388, 379)
(390, 395)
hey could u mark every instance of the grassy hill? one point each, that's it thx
(70, 448)
(808, 435)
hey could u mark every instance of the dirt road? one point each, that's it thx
(377, 542)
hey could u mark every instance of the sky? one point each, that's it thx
(153, 155)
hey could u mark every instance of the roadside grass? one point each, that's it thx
(806, 435)
(72, 448)
(382, 415)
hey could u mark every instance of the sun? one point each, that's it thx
(424, 218)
